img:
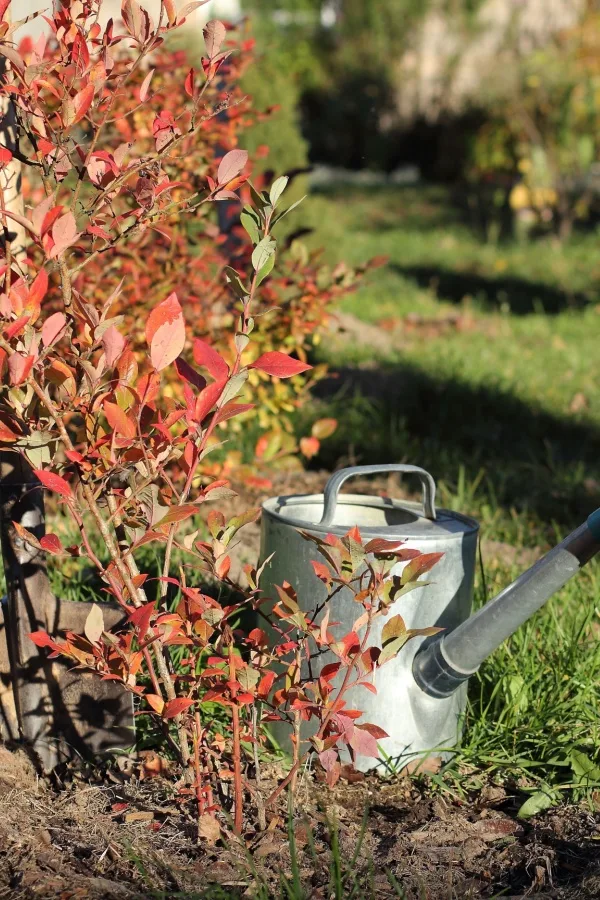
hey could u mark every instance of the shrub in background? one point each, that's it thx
(544, 129)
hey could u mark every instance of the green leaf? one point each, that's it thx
(235, 282)
(277, 189)
(391, 649)
(234, 525)
(259, 201)
(289, 209)
(538, 802)
(583, 768)
(394, 628)
(250, 221)
(265, 270)
(263, 251)
(248, 678)
(232, 388)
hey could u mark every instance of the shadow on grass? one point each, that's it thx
(519, 295)
(533, 461)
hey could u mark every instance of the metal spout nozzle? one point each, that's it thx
(443, 665)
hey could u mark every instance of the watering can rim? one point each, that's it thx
(435, 529)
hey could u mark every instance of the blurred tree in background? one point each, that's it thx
(334, 59)
(543, 129)
(512, 106)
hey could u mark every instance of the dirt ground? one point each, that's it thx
(111, 834)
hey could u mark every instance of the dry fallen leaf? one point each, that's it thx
(495, 829)
(139, 816)
(209, 829)
(431, 765)
(266, 848)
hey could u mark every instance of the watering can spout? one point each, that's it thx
(443, 665)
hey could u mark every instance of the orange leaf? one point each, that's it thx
(157, 703)
(309, 446)
(165, 332)
(119, 421)
(82, 102)
(175, 707)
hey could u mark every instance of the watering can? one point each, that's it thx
(422, 693)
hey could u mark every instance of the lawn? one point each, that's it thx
(484, 370)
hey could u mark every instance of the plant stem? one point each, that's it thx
(198, 768)
(238, 797)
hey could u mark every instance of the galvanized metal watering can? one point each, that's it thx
(421, 694)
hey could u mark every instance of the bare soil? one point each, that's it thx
(120, 834)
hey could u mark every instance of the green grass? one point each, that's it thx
(505, 412)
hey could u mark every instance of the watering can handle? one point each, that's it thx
(338, 478)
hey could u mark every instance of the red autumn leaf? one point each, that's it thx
(5, 156)
(214, 34)
(363, 742)
(136, 19)
(178, 514)
(119, 421)
(309, 446)
(113, 343)
(16, 327)
(265, 684)
(145, 88)
(6, 435)
(233, 409)
(165, 332)
(64, 234)
(175, 707)
(185, 371)
(50, 215)
(374, 730)
(53, 328)
(189, 83)
(207, 399)
(280, 365)
(380, 545)
(19, 367)
(350, 642)
(330, 671)
(140, 618)
(39, 288)
(419, 565)
(328, 759)
(209, 358)
(43, 639)
(53, 482)
(321, 571)
(231, 165)
(148, 387)
(45, 147)
(51, 544)
(222, 566)
(82, 102)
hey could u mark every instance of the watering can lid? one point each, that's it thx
(381, 516)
